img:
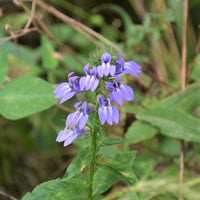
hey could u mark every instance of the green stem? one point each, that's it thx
(93, 148)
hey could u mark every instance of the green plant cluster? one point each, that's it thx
(137, 159)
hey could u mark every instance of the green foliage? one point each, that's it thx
(24, 96)
(113, 170)
(3, 64)
(80, 163)
(148, 34)
(196, 71)
(186, 100)
(139, 131)
(48, 61)
(58, 189)
(173, 123)
(111, 141)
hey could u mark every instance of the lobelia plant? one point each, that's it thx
(104, 81)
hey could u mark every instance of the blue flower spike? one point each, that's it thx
(116, 91)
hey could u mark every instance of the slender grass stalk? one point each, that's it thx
(183, 82)
(93, 148)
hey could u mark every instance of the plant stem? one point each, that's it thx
(183, 82)
(93, 148)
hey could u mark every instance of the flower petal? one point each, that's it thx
(95, 85)
(106, 58)
(126, 92)
(72, 119)
(100, 71)
(83, 121)
(82, 83)
(86, 68)
(110, 115)
(106, 69)
(118, 98)
(102, 115)
(112, 70)
(67, 96)
(59, 87)
(70, 139)
(131, 68)
(115, 115)
(62, 135)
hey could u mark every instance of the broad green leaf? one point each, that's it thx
(186, 100)
(58, 189)
(3, 64)
(111, 141)
(104, 178)
(24, 96)
(48, 61)
(126, 159)
(173, 123)
(114, 169)
(139, 131)
(196, 70)
(78, 165)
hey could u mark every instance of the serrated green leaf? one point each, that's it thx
(48, 61)
(58, 189)
(111, 141)
(24, 96)
(78, 165)
(113, 170)
(139, 131)
(173, 123)
(3, 64)
(104, 178)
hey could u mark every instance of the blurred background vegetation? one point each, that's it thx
(53, 38)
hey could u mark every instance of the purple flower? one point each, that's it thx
(80, 116)
(106, 68)
(107, 112)
(90, 81)
(119, 91)
(67, 90)
(127, 67)
(70, 133)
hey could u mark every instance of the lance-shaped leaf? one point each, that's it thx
(173, 123)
